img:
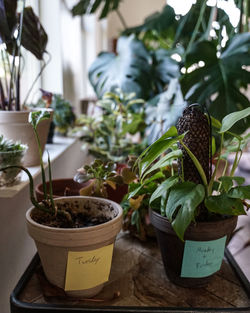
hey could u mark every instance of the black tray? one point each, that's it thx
(18, 306)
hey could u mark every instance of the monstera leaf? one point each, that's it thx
(163, 110)
(89, 6)
(129, 70)
(220, 77)
(159, 22)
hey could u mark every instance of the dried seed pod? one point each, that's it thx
(197, 140)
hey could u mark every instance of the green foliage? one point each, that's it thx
(10, 146)
(107, 134)
(181, 200)
(101, 175)
(89, 6)
(63, 114)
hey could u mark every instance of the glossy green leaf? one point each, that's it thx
(232, 118)
(164, 161)
(240, 192)
(163, 187)
(228, 181)
(224, 205)
(182, 202)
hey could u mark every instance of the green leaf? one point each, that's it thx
(240, 192)
(164, 161)
(155, 151)
(183, 200)
(36, 117)
(161, 190)
(227, 181)
(221, 77)
(135, 192)
(232, 118)
(129, 70)
(224, 205)
(135, 219)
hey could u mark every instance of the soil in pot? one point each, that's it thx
(192, 263)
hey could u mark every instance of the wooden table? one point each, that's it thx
(138, 275)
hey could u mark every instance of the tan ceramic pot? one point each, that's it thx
(54, 245)
(14, 125)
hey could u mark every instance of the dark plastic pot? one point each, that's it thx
(59, 186)
(172, 248)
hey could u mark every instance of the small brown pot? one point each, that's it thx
(59, 187)
(55, 244)
(172, 248)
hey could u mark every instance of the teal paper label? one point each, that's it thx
(202, 258)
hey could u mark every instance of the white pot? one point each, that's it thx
(14, 125)
(54, 245)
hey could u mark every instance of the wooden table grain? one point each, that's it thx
(138, 275)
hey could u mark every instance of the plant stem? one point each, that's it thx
(196, 29)
(38, 75)
(236, 160)
(210, 186)
(121, 19)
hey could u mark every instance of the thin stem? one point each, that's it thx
(5, 70)
(37, 77)
(212, 18)
(223, 173)
(210, 186)
(121, 19)
(196, 29)
(236, 160)
(19, 39)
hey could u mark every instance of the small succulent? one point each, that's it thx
(101, 175)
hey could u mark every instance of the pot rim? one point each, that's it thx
(82, 229)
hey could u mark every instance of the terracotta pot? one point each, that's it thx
(59, 186)
(197, 236)
(14, 125)
(55, 245)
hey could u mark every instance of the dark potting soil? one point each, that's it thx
(65, 218)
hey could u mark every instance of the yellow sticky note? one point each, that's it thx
(87, 269)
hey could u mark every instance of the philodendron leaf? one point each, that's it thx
(164, 161)
(182, 202)
(227, 181)
(168, 183)
(232, 118)
(224, 205)
(240, 192)
(36, 117)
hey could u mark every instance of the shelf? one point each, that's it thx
(59, 146)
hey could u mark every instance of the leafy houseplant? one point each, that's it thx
(19, 30)
(106, 180)
(108, 136)
(194, 206)
(69, 229)
(11, 153)
(211, 67)
(63, 114)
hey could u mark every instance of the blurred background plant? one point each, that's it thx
(11, 153)
(19, 28)
(173, 59)
(63, 113)
(117, 130)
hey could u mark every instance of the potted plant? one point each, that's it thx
(109, 135)
(106, 179)
(194, 214)
(74, 235)
(63, 114)
(19, 30)
(11, 153)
